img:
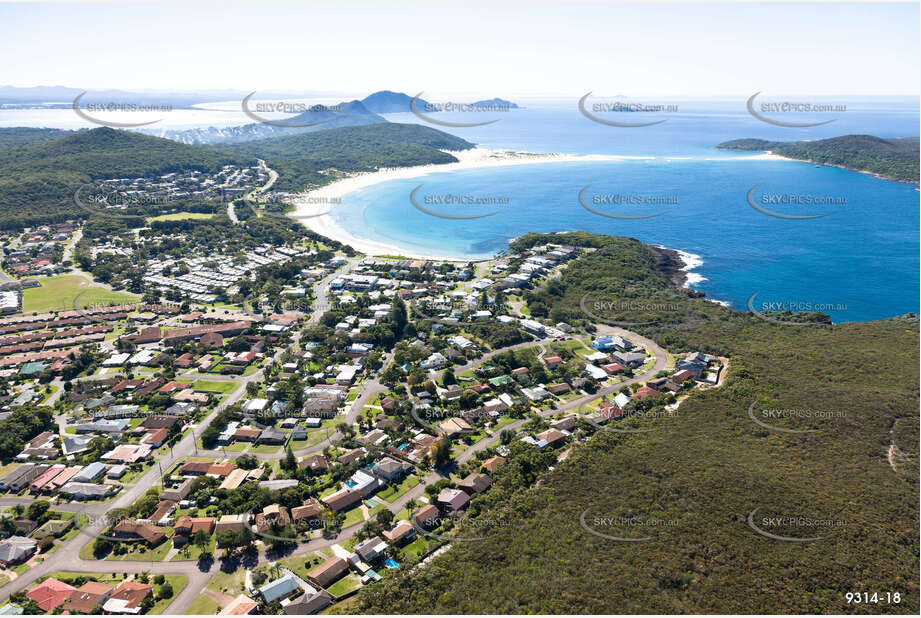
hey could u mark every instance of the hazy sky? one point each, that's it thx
(488, 48)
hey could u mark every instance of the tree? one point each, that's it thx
(442, 452)
(37, 509)
(165, 591)
(290, 463)
(201, 539)
(448, 378)
(385, 517)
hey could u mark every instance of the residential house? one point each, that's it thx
(453, 499)
(328, 572)
(50, 594)
(475, 483)
(132, 530)
(88, 598)
(427, 516)
(279, 589)
(127, 598)
(16, 550)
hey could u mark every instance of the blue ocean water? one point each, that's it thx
(858, 262)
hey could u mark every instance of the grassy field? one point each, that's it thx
(215, 386)
(181, 216)
(60, 293)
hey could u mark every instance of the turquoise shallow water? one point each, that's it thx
(859, 262)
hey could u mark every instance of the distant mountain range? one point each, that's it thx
(318, 118)
(389, 102)
(345, 114)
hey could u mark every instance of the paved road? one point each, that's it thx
(66, 558)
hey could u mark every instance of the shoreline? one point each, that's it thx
(312, 208)
(769, 154)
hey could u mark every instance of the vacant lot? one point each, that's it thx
(60, 293)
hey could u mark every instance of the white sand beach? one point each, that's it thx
(312, 208)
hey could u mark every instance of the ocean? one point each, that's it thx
(858, 261)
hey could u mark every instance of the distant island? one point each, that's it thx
(495, 102)
(892, 159)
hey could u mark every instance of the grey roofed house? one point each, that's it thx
(119, 411)
(71, 445)
(82, 491)
(273, 436)
(309, 604)
(16, 474)
(90, 472)
(371, 548)
(279, 589)
(179, 493)
(278, 484)
(92, 404)
(629, 359)
(389, 468)
(697, 357)
(23, 398)
(23, 475)
(104, 426)
(16, 549)
(181, 408)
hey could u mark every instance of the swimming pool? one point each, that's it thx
(390, 563)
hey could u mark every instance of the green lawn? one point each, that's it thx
(392, 492)
(60, 293)
(418, 547)
(301, 565)
(344, 586)
(143, 554)
(179, 216)
(190, 551)
(203, 606)
(266, 448)
(216, 386)
(354, 516)
(178, 582)
(228, 583)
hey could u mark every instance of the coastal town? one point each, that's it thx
(187, 452)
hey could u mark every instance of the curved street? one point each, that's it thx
(199, 574)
